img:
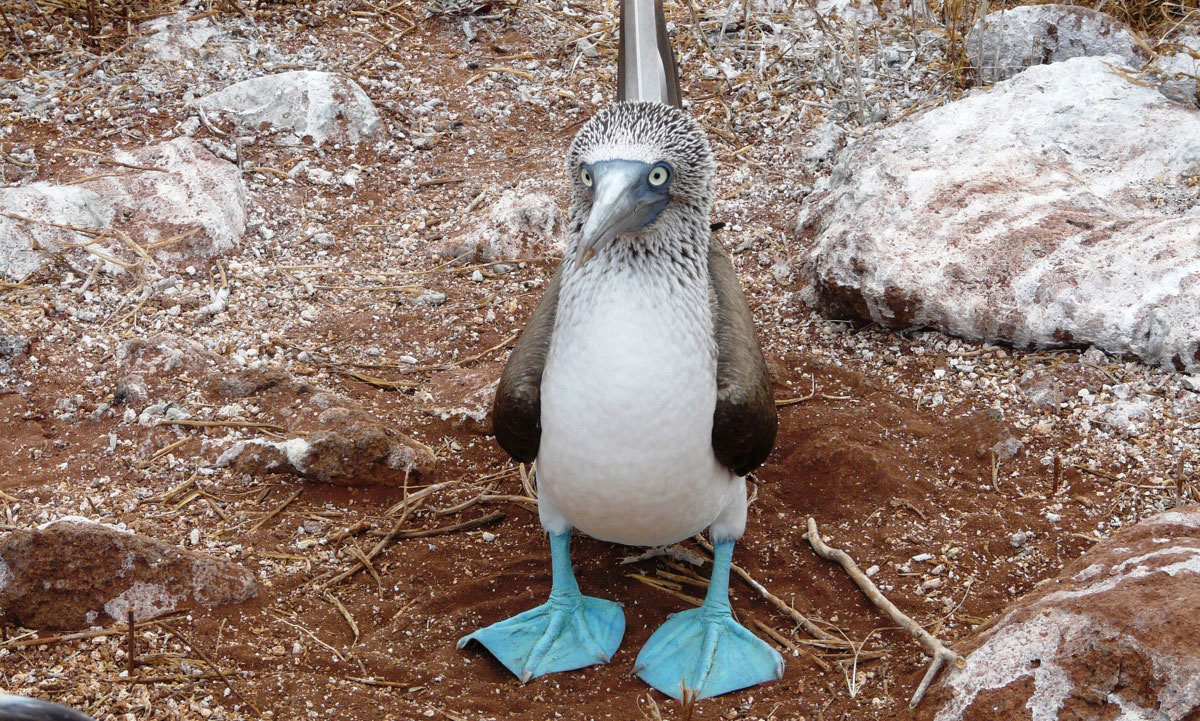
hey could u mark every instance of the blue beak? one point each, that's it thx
(622, 202)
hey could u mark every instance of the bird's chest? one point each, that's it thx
(634, 361)
(628, 395)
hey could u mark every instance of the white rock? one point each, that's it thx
(1015, 39)
(45, 206)
(520, 224)
(302, 105)
(197, 189)
(1123, 416)
(1038, 213)
(1178, 69)
(174, 37)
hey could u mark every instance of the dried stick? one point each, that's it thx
(25, 641)
(441, 530)
(344, 611)
(276, 512)
(787, 643)
(409, 504)
(131, 661)
(932, 646)
(810, 627)
(199, 652)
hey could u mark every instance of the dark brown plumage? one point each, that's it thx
(517, 409)
(745, 421)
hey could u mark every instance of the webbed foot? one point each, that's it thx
(569, 631)
(704, 650)
(561, 635)
(708, 652)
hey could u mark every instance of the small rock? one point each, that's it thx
(1123, 417)
(1093, 356)
(1018, 539)
(64, 575)
(250, 382)
(431, 299)
(352, 450)
(463, 396)
(520, 224)
(1006, 449)
(12, 348)
(300, 106)
(233, 410)
(319, 176)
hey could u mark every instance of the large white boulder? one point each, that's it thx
(1005, 42)
(1051, 210)
(175, 37)
(302, 106)
(522, 223)
(190, 190)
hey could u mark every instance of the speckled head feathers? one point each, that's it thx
(648, 132)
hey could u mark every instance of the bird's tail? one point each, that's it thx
(645, 65)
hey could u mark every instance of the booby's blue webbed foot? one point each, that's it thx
(569, 631)
(704, 650)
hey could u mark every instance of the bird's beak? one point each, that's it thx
(620, 204)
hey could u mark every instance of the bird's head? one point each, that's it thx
(638, 170)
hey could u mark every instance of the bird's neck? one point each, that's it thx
(680, 250)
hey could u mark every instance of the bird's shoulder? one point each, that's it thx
(745, 420)
(516, 411)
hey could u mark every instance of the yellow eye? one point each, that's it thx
(659, 175)
(585, 177)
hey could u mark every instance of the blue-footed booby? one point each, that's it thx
(23, 708)
(639, 387)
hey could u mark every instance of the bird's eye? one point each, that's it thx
(585, 177)
(659, 175)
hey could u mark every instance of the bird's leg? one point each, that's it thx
(704, 649)
(567, 632)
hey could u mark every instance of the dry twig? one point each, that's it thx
(199, 652)
(940, 653)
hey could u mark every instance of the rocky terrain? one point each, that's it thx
(261, 263)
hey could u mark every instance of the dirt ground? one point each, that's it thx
(898, 445)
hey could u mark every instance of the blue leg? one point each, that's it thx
(704, 649)
(568, 632)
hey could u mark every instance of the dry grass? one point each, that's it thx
(100, 24)
(1153, 18)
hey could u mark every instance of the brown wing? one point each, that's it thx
(517, 411)
(744, 422)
